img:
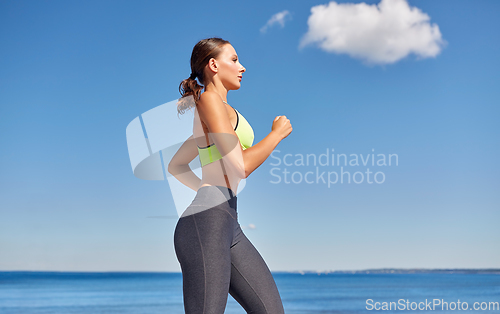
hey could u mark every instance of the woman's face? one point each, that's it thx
(230, 69)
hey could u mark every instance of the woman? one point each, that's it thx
(216, 257)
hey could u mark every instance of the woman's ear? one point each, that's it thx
(212, 65)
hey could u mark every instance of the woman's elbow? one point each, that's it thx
(245, 172)
(172, 169)
(237, 168)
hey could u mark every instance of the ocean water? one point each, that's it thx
(78, 293)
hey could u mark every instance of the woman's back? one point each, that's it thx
(209, 155)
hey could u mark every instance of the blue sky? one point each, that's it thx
(74, 74)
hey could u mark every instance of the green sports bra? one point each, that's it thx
(244, 132)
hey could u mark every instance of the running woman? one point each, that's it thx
(215, 256)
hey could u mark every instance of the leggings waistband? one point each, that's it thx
(211, 196)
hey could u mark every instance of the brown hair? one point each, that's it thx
(203, 51)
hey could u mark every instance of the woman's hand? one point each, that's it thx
(282, 126)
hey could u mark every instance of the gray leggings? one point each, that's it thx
(216, 258)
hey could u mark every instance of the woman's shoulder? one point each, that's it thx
(210, 98)
(211, 104)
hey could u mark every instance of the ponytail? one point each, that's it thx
(188, 87)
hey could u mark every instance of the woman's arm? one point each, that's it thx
(213, 112)
(254, 156)
(179, 165)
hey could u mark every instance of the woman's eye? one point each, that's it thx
(235, 60)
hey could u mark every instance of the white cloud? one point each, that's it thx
(377, 34)
(278, 18)
(250, 226)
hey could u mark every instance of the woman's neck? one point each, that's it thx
(218, 88)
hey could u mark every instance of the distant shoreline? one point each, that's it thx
(302, 272)
(405, 271)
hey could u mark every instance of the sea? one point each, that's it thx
(368, 291)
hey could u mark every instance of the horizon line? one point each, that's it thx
(324, 271)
